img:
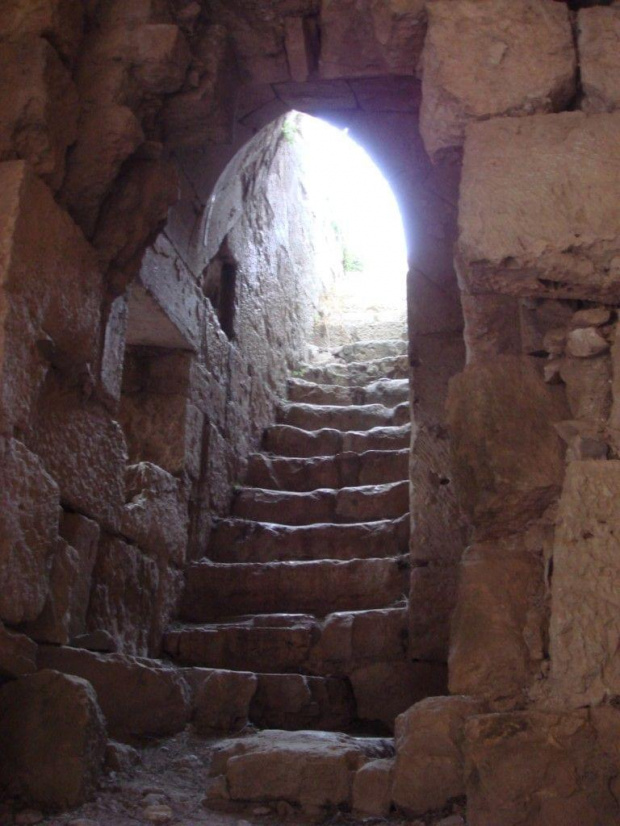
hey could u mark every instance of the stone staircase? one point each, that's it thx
(305, 583)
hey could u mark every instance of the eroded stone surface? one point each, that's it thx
(518, 233)
(584, 629)
(599, 30)
(507, 459)
(492, 59)
(429, 768)
(53, 735)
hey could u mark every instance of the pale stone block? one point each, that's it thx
(538, 210)
(599, 58)
(585, 625)
(491, 59)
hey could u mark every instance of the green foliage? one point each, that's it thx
(290, 130)
(351, 262)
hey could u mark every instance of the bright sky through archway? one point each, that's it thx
(363, 207)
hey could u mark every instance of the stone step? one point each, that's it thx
(352, 504)
(349, 417)
(356, 326)
(284, 440)
(308, 769)
(357, 373)
(337, 645)
(296, 701)
(371, 350)
(372, 467)
(389, 392)
(241, 540)
(216, 590)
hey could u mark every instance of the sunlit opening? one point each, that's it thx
(363, 212)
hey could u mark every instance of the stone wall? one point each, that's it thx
(129, 394)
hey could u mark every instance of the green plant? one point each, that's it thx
(290, 130)
(350, 261)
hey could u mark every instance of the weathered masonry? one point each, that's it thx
(160, 279)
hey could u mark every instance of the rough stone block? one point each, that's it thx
(29, 513)
(307, 768)
(490, 59)
(125, 583)
(39, 106)
(84, 450)
(59, 21)
(507, 459)
(53, 739)
(534, 219)
(432, 598)
(599, 61)
(160, 57)
(585, 630)
(492, 326)
(588, 387)
(18, 654)
(139, 697)
(429, 768)
(108, 135)
(220, 699)
(384, 690)
(50, 291)
(372, 787)
(64, 614)
(155, 515)
(371, 38)
(497, 628)
(539, 769)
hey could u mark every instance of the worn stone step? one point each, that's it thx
(309, 769)
(241, 540)
(296, 701)
(359, 351)
(349, 417)
(216, 590)
(284, 440)
(357, 373)
(372, 467)
(337, 645)
(352, 504)
(389, 392)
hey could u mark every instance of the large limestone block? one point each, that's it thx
(39, 105)
(50, 291)
(304, 767)
(429, 767)
(123, 596)
(370, 38)
(29, 513)
(156, 515)
(497, 627)
(599, 58)
(534, 217)
(64, 614)
(83, 448)
(540, 770)
(59, 21)
(585, 621)
(220, 699)
(507, 458)
(490, 58)
(432, 597)
(139, 697)
(18, 654)
(53, 739)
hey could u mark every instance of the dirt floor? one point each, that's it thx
(168, 784)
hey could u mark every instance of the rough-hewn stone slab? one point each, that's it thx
(364, 39)
(492, 58)
(599, 58)
(538, 207)
(585, 617)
